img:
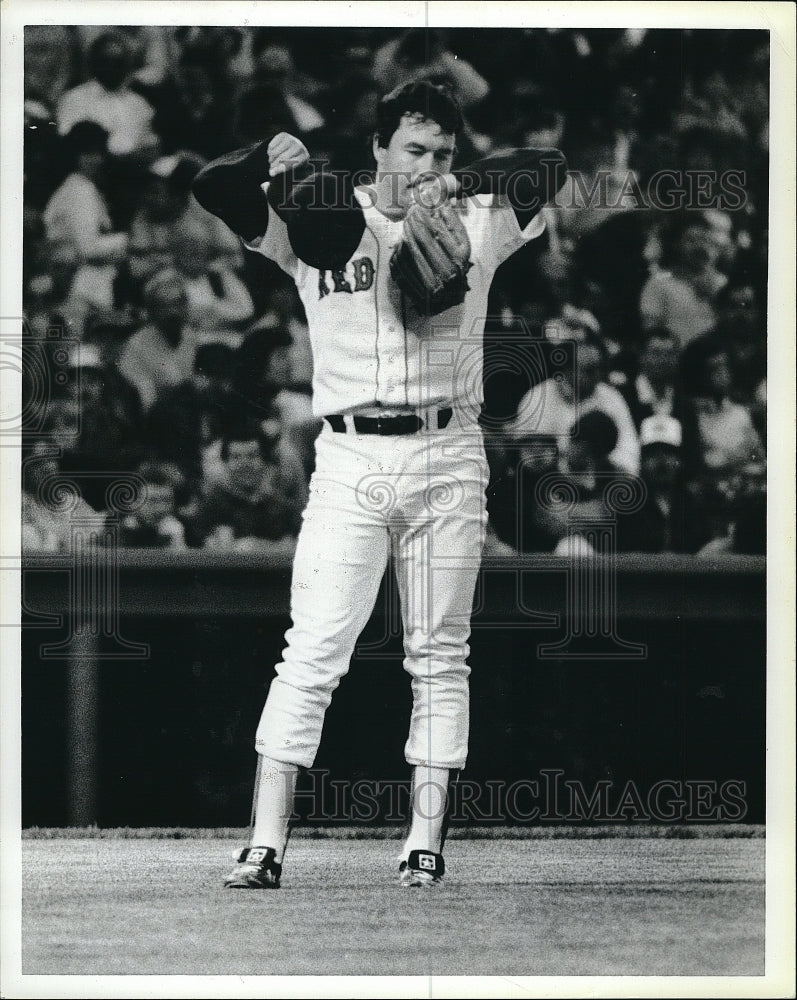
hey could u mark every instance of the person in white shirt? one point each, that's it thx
(552, 407)
(219, 304)
(161, 354)
(77, 212)
(106, 99)
(77, 217)
(683, 299)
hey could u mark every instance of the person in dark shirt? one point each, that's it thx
(659, 525)
(656, 389)
(155, 524)
(258, 498)
(190, 417)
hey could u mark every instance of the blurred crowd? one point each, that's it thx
(629, 342)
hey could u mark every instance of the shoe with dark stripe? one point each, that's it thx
(256, 869)
(422, 870)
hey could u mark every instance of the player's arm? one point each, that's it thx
(526, 178)
(231, 187)
(323, 220)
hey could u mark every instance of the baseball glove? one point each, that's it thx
(432, 260)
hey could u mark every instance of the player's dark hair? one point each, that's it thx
(433, 101)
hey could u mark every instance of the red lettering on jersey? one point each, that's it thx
(363, 274)
(363, 271)
(339, 280)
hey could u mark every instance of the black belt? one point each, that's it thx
(410, 423)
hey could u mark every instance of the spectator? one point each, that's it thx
(656, 388)
(274, 102)
(185, 425)
(593, 441)
(152, 49)
(216, 49)
(219, 304)
(682, 299)
(424, 53)
(258, 499)
(161, 354)
(107, 438)
(190, 114)
(105, 339)
(615, 259)
(515, 515)
(49, 50)
(268, 376)
(743, 332)
(659, 525)
(154, 524)
(726, 440)
(747, 530)
(601, 188)
(77, 213)
(350, 110)
(587, 471)
(107, 99)
(50, 506)
(604, 275)
(552, 407)
(167, 212)
(572, 324)
(49, 299)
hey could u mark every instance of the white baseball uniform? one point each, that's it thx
(420, 494)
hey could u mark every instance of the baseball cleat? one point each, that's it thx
(256, 869)
(422, 869)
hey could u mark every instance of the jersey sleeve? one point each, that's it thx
(275, 244)
(496, 233)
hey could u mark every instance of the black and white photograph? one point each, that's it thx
(397, 468)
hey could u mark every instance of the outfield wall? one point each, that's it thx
(625, 690)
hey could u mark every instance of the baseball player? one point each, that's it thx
(394, 276)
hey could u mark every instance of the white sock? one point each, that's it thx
(273, 804)
(429, 800)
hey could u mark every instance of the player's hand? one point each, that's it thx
(432, 189)
(284, 152)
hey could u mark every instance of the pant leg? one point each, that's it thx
(340, 559)
(438, 553)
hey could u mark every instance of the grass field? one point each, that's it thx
(555, 906)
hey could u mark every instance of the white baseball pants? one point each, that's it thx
(423, 495)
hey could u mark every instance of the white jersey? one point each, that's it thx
(371, 348)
